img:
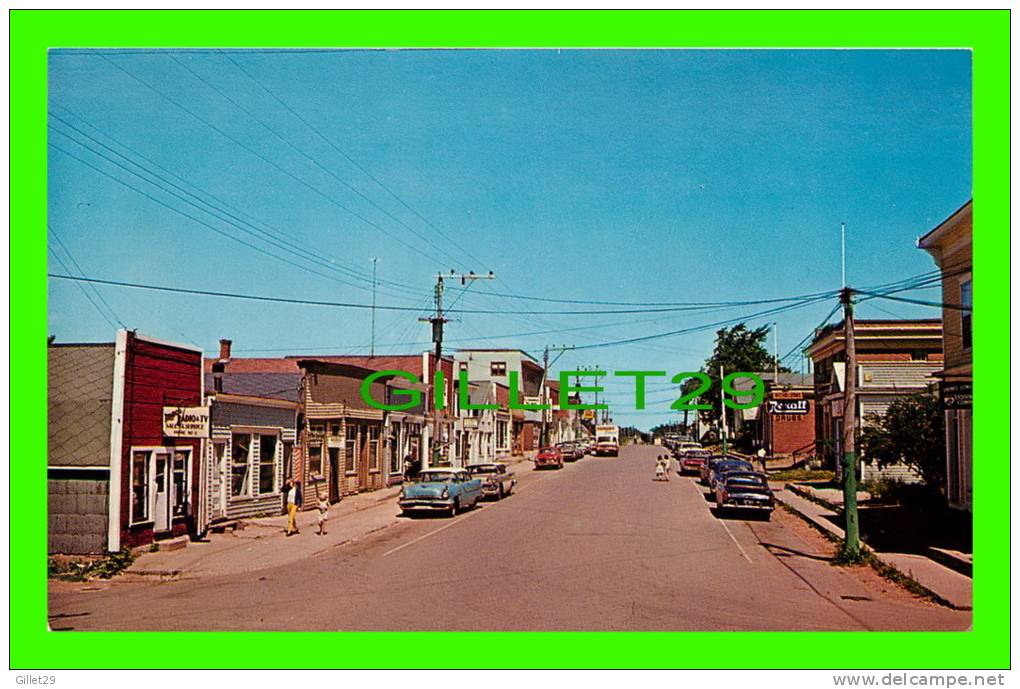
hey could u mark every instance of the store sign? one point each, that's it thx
(837, 408)
(186, 422)
(957, 395)
(787, 406)
(588, 414)
(532, 400)
(470, 423)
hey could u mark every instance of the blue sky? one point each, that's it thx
(593, 175)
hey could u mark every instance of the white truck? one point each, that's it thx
(607, 441)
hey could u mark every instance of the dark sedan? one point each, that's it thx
(724, 462)
(744, 490)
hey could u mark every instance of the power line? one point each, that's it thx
(283, 236)
(193, 218)
(81, 271)
(217, 213)
(266, 160)
(83, 290)
(685, 331)
(311, 159)
(922, 302)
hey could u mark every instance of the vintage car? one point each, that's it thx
(440, 490)
(744, 490)
(570, 451)
(693, 460)
(497, 481)
(709, 466)
(682, 447)
(549, 457)
(724, 467)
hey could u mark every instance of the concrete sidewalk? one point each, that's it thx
(261, 543)
(945, 583)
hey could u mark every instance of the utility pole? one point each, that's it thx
(722, 417)
(852, 545)
(775, 356)
(438, 321)
(842, 253)
(544, 436)
(371, 352)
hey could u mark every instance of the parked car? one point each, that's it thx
(497, 481)
(709, 466)
(682, 447)
(744, 490)
(441, 490)
(693, 460)
(571, 451)
(726, 466)
(549, 457)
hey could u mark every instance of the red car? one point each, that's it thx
(549, 457)
(693, 460)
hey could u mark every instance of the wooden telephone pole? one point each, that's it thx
(544, 436)
(851, 544)
(438, 321)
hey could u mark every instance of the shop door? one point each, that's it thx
(363, 447)
(218, 508)
(161, 510)
(335, 473)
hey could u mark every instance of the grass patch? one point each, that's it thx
(82, 569)
(802, 475)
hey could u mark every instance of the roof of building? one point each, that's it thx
(411, 363)
(497, 349)
(254, 365)
(482, 394)
(79, 404)
(932, 236)
(281, 386)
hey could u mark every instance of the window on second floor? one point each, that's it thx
(966, 316)
(497, 368)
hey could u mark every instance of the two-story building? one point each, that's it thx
(496, 365)
(895, 359)
(950, 245)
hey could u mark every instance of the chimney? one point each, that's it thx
(225, 349)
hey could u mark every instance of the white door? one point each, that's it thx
(161, 492)
(219, 493)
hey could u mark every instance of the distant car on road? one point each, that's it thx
(744, 490)
(549, 457)
(441, 490)
(693, 460)
(497, 481)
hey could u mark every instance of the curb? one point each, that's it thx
(871, 556)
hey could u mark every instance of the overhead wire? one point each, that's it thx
(329, 198)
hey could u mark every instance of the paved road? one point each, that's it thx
(598, 545)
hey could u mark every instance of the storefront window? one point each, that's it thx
(180, 469)
(373, 447)
(315, 460)
(966, 316)
(240, 453)
(140, 487)
(267, 464)
(350, 451)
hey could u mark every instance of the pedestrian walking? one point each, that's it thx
(323, 514)
(665, 466)
(293, 503)
(660, 468)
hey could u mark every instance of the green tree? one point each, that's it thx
(912, 432)
(738, 348)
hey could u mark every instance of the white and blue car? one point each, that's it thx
(440, 490)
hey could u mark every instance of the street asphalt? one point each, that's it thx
(598, 545)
